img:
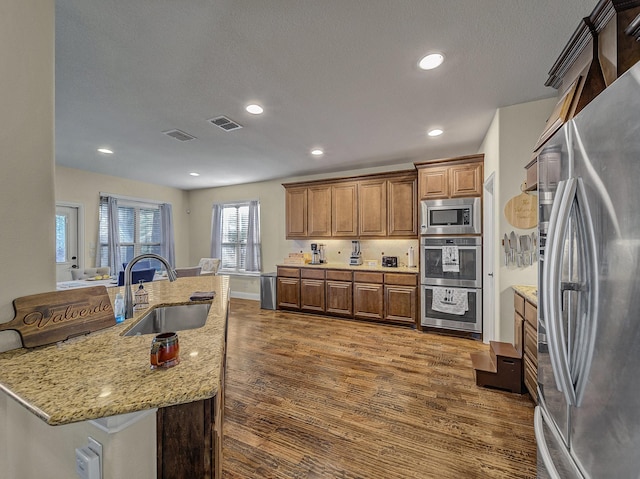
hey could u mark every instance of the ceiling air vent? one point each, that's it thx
(179, 135)
(225, 123)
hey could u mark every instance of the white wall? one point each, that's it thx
(84, 187)
(508, 147)
(491, 148)
(272, 226)
(28, 447)
(27, 252)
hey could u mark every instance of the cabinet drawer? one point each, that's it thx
(339, 275)
(288, 272)
(401, 279)
(518, 304)
(531, 378)
(308, 273)
(531, 314)
(531, 343)
(362, 277)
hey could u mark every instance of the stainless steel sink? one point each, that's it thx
(171, 318)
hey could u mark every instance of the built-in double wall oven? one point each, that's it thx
(451, 282)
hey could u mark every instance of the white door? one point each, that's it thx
(488, 281)
(66, 241)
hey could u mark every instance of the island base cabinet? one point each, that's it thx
(188, 442)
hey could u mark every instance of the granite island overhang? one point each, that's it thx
(106, 374)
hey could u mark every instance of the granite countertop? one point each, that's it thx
(530, 293)
(105, 374)
(362, 267)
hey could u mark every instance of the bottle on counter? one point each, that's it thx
(118, 308)
(411, 260)
(141, 298)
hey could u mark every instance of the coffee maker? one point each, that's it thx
(315, 254)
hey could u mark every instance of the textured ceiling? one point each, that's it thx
(339, 74)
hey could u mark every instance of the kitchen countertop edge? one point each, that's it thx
(530, 293)
(348, 267)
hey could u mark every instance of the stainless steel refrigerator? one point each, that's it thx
(587, 422)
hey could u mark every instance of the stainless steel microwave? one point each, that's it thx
(457, 216)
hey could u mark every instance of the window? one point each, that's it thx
(61, 239)
(238, 236)
(139, 226)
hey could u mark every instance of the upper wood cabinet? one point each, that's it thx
(402, 206)
(452, 178)
(319, 211)
(372, 196)
(296, 212)
(375, 206)
(344, 209)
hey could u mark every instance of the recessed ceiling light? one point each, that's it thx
(106, 151)
(317, 152)
(435, 132)
(194, 174)
(431, 61)
(254, 109)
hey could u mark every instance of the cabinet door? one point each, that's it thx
(344, 209)
(372, 199)
(402, 207)
(433, 182)
(296, 212)
(368, 301)
(319, 211)
(518, 333)
(465, 180)
(339, 298)
(312, 295)
(288, 293)
(400, 303)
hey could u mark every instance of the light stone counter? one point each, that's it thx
(362, 267)
(106, 374)
(530, 293)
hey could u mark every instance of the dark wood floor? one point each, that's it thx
(313, 397)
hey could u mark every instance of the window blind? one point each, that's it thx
(139, 226)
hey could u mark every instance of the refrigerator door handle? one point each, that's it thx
(546, 293)
(557, 340)
(543, 449)
(586, 340)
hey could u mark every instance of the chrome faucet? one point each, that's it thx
(128, 296)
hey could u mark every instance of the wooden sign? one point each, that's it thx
(47, 318)
(522, 211)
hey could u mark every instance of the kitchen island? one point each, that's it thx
(107, 374)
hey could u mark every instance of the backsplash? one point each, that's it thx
(339, 251)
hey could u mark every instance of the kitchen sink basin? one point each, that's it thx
(171, 318)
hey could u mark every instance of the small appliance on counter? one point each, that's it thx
(315, 254)
(390, 261)
(356, 254)
(321, 251)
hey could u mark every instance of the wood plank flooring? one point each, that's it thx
(313, 397)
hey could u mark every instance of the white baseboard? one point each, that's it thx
(243, 295)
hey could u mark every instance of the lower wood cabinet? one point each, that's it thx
(288, 288)
(189, 444)
(339, 293)
(312, 293)
(368, 301)
(368, 295)
(526, 341)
